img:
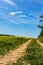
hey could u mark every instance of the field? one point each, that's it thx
(34, 52)
(8, 43)
(33, 56)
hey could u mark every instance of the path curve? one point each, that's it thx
(15, 54)
(41, 44)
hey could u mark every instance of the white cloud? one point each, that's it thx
(17, 12)
(10, 2)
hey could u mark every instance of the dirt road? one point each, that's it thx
(15, 54)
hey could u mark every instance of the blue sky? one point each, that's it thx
(20, 17)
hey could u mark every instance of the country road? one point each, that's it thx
(15, 54)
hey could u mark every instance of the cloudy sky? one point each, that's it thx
(20, 17)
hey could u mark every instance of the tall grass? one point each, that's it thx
(8, 43)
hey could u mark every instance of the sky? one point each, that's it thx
(20, 17)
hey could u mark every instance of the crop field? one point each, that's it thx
(8, 43)
(33, 56)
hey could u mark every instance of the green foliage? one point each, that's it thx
(33, 56)
(41, 39)
(41, 36)
(41, 33)
(41, 27)
(8, 43)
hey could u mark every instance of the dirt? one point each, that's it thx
(15, 54)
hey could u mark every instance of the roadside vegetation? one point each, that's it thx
(40, 37)
(8, 43)
(33, 56)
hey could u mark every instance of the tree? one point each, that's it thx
(41, 26)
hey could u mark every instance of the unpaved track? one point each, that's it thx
(41, 44)
(15, 54)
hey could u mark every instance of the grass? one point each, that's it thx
(8, 43)
(41, 39)
(33, 56)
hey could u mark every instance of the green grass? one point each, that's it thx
(8, 43)
(41, 39)
(33, 56)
